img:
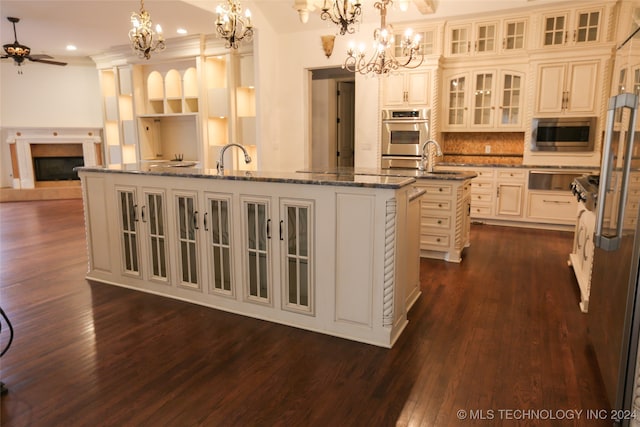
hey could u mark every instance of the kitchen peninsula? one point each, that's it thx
(319, 251)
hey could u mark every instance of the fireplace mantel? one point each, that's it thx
(21, 139)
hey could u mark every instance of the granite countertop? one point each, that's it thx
(496, 165)
(343, 178)
(413, 173)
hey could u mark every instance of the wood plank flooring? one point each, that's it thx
(499, 332)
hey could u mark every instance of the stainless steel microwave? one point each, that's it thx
(564, 134)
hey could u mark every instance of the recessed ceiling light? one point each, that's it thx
(71, 47)
(181, 31)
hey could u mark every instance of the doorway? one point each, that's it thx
(332, 118)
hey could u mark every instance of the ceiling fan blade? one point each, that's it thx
(41, 56)
(46, 61)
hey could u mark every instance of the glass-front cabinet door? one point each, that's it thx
(153, 215)
(129, 231)
(186, 212)
(510, 108)
(587, 26)
(296, 234)
(555, 29)
(514, 35)
(482, 99)
(218, 230)
(486, 38)
(256, 224)
(457, 101)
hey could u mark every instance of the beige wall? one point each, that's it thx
(46, 96)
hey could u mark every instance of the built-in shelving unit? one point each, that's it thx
(185, 107)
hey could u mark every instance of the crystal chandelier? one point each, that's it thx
(383, 61)
(232, 25)
(144, 39)
(344, 13)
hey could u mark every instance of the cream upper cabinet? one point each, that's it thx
(484, 100)
(514, 34)
(568, 87)
(572, 27)
(428, 41)
(407, 89)
(486, 38)
(476, 38)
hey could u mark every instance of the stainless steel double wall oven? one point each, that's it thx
(403, 132)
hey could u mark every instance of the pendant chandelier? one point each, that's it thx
(144, 39)
(383, 61)
(231, 25)
(344, 13)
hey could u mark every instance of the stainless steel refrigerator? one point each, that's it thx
(614, 303)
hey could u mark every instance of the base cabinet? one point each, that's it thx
(501, 195)
(143, 233)
(326, 258)
(444, 218)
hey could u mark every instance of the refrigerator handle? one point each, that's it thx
(612, 243)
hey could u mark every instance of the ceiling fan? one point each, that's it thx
(20, 52)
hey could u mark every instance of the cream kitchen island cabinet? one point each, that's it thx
(322, 252)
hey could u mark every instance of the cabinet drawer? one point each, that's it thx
(438, 205)
(480, 210)
(482, 197)
(438, 189)
(441, 240)
(478, 186)
(561, 207)
(436, 222)
(485, 173)
(511, 174)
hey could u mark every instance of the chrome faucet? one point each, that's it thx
(220, 163)
(425, 162)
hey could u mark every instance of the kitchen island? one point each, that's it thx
(444, 210)
(325, 252)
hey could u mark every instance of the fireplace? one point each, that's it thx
(39, 156)
(56, 168)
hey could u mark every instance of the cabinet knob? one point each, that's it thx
(439, 221)
(438, 240)
(440, 190)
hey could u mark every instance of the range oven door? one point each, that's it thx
(403, 137)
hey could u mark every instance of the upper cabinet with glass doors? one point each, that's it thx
(486, 38)
(572, 27)
(484, 100)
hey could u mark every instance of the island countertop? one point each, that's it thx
(346, 177)
(410, 173)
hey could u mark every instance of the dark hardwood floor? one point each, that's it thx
(496, 335)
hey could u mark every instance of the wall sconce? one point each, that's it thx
(327, 44)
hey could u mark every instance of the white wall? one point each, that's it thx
(46, 96)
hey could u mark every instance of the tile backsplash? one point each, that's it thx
(483, 147)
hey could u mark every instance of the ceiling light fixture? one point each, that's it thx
(344, 13)
(383, 60)
(144, 39)
(231, 25)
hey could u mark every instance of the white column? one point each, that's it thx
(25, 164)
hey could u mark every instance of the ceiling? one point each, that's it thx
(94, 26)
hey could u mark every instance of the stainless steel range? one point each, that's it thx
(585, 188)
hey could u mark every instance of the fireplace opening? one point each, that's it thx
(56, 168)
